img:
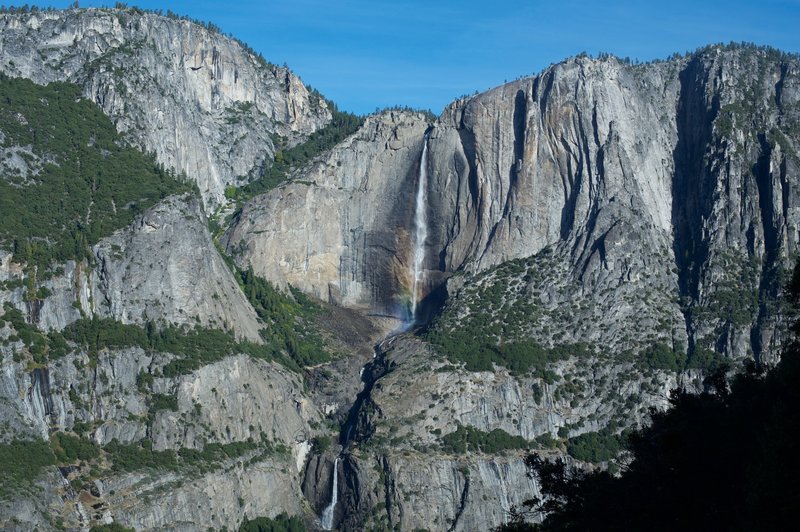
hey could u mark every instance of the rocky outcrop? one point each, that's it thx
(341, 231)
(165, 267)
(318, 481)
(206, 106)
(236, 399)
(215, 500)
(425, 396)
(432, 491)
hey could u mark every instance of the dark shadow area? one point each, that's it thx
(430, 306)
(692, 182)
(769, 283)
(520, 114)
(467, 138)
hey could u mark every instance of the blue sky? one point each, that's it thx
(424, 53)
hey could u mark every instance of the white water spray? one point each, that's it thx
(420, 228)
(327, 513)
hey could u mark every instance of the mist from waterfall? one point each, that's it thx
(420, 229)
(327, 513)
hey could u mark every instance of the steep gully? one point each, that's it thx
(357, 426)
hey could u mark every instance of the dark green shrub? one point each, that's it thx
(661, 356)
(321, 443)
(465, 437)
(112, 527)
(595, 446)
(70, 448)
(160, 401)
(281, 523)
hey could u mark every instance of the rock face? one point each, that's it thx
(237, 399)
(426, 491)
(197, 99)
(397, 471)
(165, 267)
(647, 204)
(636, 170)
(341, 231)
(216, 500)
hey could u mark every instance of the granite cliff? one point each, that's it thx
(203, 103)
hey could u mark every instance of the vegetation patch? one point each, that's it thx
(281, 523)
(194, 348)
(470, 438)
(138, 456)
(70, 449)
(288, 338)
(21, 462)
(598, 446)
(497, 327)
(321, 444)
(480, 354)
(735, 296)
(159, 401)
(111, 527)
(286, 318)
(42, 346)
(707, 360)
(288, 159)
(663, 357)
(86, 181)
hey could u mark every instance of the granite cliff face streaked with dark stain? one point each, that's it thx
(672, 179)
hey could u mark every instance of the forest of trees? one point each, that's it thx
(68, 178)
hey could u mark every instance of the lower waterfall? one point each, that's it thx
(327, 514)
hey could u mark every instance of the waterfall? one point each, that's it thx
(420, 228)
(327, 513)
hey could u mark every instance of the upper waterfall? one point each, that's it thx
(420, 229)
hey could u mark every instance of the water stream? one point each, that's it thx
(420, 229)
(327, 514)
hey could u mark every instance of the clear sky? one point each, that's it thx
(368, 54)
